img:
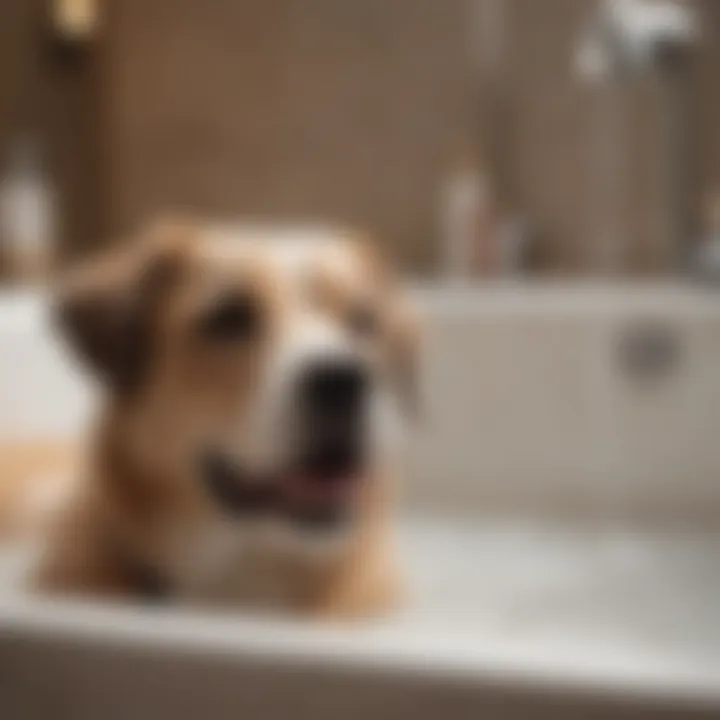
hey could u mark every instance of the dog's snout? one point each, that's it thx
(334, 388)
(333, 406)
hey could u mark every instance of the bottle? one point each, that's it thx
(27, 221)
(513, 244)
(708, 249)
(466, 221)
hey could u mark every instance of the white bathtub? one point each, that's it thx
(559, 531)
(538, 398)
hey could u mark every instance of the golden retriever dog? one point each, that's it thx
(256, 385)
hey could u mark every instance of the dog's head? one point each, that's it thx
(266, 374)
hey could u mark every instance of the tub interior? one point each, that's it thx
(493, 583)
(566, 590)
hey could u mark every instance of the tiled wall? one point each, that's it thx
(349, 109)
(49, 92)
(291, 109)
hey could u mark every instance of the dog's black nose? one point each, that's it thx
(334, 390)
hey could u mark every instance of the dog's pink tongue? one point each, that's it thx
(318, 490)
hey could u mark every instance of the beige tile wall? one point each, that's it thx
(351, 110)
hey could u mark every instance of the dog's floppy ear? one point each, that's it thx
(104, 307)
(402, 327)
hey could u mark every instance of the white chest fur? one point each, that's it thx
(263, 565)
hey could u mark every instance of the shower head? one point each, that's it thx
(631, 37)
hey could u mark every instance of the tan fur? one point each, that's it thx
(137, 503)
(31, 474)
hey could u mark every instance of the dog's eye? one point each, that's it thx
(363, 320)
(236, 318)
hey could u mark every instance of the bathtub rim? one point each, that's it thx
(363, 649)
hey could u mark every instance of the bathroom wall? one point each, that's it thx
(350, 110)
(48, 90)
(321, 108)
(18, 77)
(548, 148)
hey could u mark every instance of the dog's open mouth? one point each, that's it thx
(317, 491)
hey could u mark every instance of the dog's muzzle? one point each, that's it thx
(331, 414)
(328, 454)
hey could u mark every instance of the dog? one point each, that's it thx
(257, 384)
